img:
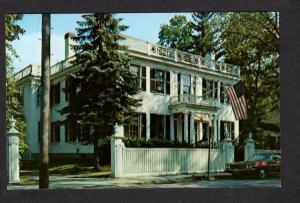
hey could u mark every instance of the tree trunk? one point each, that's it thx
(96, 155)
(45, 105)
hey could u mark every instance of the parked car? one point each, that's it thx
(260, 164)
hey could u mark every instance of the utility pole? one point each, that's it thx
(45, 103)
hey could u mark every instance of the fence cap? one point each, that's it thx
(12, 130)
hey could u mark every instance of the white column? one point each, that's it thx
(186, 128)
(148, 124)
(199, 86)
(219, 130)
(192, 132)
(174, 83)
(172, 127)
(179, 130)
(219, 93)
(236, 129)
(215, 129)
(201, 130)
(147, 79)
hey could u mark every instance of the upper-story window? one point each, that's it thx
(227, 130)
(209, 89)
(223, 94)
(140, 72)
(55, 94)
(160, 81)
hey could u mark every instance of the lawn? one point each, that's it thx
(77, 168)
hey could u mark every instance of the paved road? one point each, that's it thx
(179, 181)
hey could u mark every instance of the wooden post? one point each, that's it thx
(45, 102)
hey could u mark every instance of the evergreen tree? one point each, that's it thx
(100, 93)
(202, 33)
(13, 32)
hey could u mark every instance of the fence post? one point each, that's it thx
(229, 150)
(13, 153)
(249, 148)
(116, 153)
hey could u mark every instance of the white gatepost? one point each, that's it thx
(249, 149)
(116, 156)
(229, 150)
(13, 153)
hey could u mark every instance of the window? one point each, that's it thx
(73, 132)
(230, 130)
(140, 72)
(160, 81)
(209, 89)
(19, 96)
(136, 127)
(55, 94)
(159, 126)
(223, 94)
(55, 132)
(186, 83)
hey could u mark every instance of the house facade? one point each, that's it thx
(182, 95)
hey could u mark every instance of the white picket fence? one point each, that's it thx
(128, 162)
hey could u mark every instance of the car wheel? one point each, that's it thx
(262, 173)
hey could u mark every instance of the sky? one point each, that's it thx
(143, 26)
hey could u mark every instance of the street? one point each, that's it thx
(178, 181)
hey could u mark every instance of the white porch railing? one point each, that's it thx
(192, 99)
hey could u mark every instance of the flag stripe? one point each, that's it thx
(238, 102)
(235, 105)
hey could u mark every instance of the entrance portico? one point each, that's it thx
(191, 118)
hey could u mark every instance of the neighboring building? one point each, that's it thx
(172, 83)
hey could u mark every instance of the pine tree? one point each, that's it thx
(100, 93)
(203, 36)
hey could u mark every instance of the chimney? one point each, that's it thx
(68, 41)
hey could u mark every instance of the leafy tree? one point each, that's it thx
(13, 32)
(100, 93)
(177, 35)
(251, 40)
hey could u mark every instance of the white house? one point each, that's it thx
(181, 93)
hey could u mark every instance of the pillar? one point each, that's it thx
(179, 129)
(116, 156)
(186, 128)
(201, 130)
(172, 127)
(249, 149)
(219, 129)
(148, 125)
(236, 129)
(228, 150)
(192, 133)
(215, 130)
(13, 166)
(147, 79)
(219, 92)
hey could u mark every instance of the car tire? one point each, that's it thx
(262, 173)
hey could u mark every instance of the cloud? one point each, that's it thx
(28, 47)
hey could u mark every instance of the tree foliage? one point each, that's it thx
(100, 93)
(178, 34)
(13, 32)
(251, 41)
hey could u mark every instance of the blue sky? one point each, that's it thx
(144, 26)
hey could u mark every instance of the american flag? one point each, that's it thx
(237, 100)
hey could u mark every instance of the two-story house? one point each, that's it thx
(182, 94)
